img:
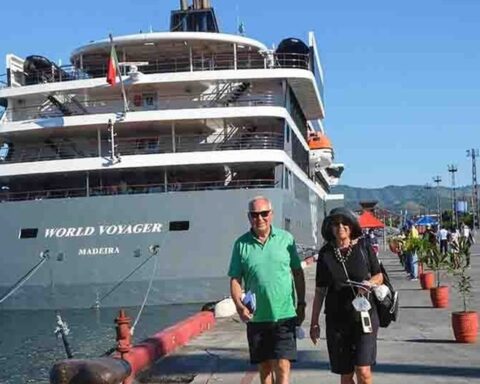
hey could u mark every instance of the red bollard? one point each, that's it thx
(123, 334)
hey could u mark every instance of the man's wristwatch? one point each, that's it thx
(301, 304)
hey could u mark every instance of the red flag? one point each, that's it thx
(112, 67)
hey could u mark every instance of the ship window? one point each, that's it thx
(179, 225)
(288, 133)
(149, 100)
(28, 233)
(285, 181)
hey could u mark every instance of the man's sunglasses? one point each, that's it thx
(264, 214)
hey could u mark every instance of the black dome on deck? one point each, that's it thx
(293, 45)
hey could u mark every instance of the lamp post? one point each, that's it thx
(427, 187)
(473, 153)
(437, 180)
(453, 169)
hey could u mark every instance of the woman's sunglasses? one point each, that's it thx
(336, 223)
(254, 215)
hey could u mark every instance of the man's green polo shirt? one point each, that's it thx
(266, 271)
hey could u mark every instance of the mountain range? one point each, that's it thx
(417, 199)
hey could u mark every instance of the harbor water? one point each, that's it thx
(29, 347)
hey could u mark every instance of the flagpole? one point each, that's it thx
(125, 103)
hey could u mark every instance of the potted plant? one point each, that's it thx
(420, 246)
(437, 261)
(396, 244)
(464, 323)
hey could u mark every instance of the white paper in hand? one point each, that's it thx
(250, 301)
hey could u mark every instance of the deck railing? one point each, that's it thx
(141, 146)
(136, 189)
(186, 63)
(195, 63)
(77, 107)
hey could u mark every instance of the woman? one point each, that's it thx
(351, 348)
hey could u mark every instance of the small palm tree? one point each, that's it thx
(434, 259)
(459, 254)
(416, 245)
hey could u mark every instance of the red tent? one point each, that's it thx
(368, 220)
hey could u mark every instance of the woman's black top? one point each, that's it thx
(331, 275)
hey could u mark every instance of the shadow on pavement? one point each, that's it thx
(410, 289)
(229, 362)
(431, 341)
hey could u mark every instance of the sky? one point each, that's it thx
(402, 78)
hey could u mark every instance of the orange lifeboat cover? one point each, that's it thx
(318, 141)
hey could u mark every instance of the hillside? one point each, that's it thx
(415, 198)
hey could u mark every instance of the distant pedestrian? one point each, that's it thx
(430, 236)
(265, 259)
(411, 256)
(467, 235)
(443, 236)
(372, 241)
(351, 331)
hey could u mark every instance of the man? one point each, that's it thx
(430, 236)
(265, 258)
(466, 234)
(443, 239)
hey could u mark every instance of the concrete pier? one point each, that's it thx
(419, 348)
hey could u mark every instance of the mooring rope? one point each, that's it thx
(154, 251)
(97, 302)
(44, 255)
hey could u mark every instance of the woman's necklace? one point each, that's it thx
(342, 258)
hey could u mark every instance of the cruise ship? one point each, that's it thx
(110, 190)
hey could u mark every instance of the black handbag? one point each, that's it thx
(387, 308)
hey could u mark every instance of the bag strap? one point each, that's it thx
(348, 279)
(365, 258)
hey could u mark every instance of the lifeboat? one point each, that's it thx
(321, 151)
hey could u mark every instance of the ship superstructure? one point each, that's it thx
(100, 175)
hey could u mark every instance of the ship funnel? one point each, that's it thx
(201, 4)
(183, 5)
(198, 16)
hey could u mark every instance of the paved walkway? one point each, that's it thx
(419, 348)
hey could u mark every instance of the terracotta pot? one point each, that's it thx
(420, 268)
(427, 280)
(465, 326)
(439, 296)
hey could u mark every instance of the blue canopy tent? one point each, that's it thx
(426, 220)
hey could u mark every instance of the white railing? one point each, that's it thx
(63, 150)
(212, 62)
(77, 108)
(133, 189)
